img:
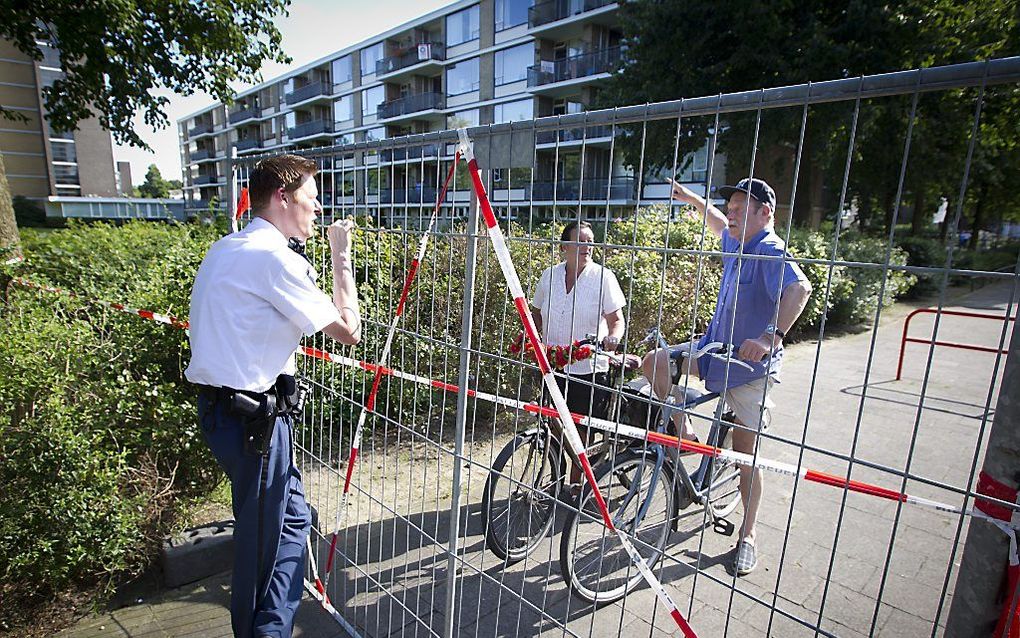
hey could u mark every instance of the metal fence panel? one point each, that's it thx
(843, 551)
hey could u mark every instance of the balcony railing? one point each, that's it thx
(411, 152)
(574, 134)
(310, 128)
(411, 104)
(244, 145)
(576, 66)
(200, 129)
(196, 204)
(307, 92)
(553, 10)
(205, 179)
(409, 195)
(421, 53)
(243, 114)
(201, 154)
(585, 190)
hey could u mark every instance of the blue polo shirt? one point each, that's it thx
(746, 305)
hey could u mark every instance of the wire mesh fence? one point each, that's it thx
(467, 515)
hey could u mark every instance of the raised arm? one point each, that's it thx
(714, 218)
(345, 295)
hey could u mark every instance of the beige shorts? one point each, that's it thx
(752, 403)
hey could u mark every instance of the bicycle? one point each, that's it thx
(649, 492)
(527, 477)
(526, 480)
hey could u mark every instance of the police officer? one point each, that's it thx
(254, 297)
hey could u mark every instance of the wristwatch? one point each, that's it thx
(772, 329)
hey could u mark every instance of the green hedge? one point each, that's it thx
(97, 418)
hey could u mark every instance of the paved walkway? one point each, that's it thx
(887, 566)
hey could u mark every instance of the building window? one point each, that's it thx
(375, 134)
(510, 13)
(371, 99)
(341, 70)
(69, 191)
(512, 64)
(65, 175)
(514, 111)
(462, 26)
(462, 119)
(63, 152)
(369, 56)
(343, 110)
(462, 77)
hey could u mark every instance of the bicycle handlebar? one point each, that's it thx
(726, 352)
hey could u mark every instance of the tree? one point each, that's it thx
(116, 53)
(154, 185)
(686, 48)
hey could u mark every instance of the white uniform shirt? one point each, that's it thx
(568, 317)
(253, 299)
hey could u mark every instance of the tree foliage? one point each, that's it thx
(154, 185)
(684, 48)
(116, 53)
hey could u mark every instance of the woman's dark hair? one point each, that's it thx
(569, 228)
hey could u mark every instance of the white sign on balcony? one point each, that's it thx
(424, 52)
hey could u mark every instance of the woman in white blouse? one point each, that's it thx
(575, 298)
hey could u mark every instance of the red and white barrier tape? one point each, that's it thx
(169, 320)
(14, 260)
(1010, 527)
(383, 359)
(566, 421)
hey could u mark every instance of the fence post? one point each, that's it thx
(460, 423)
(975, 609)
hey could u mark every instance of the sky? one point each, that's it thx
(313, 29)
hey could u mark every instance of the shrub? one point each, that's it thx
(923, 251)
(873, 282)
(102, 430)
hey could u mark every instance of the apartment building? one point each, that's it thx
(472, 62)
(42, 162)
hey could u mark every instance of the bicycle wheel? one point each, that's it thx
(520, 494)
(641, 500)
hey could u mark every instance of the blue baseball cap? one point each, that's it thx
(756, 188)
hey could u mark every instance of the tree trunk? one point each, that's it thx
(979, 214)
(10, 241)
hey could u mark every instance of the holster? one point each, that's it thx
(258, 410)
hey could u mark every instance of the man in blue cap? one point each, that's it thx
(760, 297)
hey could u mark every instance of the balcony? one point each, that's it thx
(200, 129)
(202, 180)
(196, 204)
(315, 127)
(425, 52)
(411, 104)
(307, 92)
(589, 190)
(574, 136)
(409, 153)
(554, 10)
(247, 144)
(201, 154)
(244, 114)
(426, 196)
(575, 67)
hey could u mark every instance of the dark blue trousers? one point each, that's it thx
(261, 603)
